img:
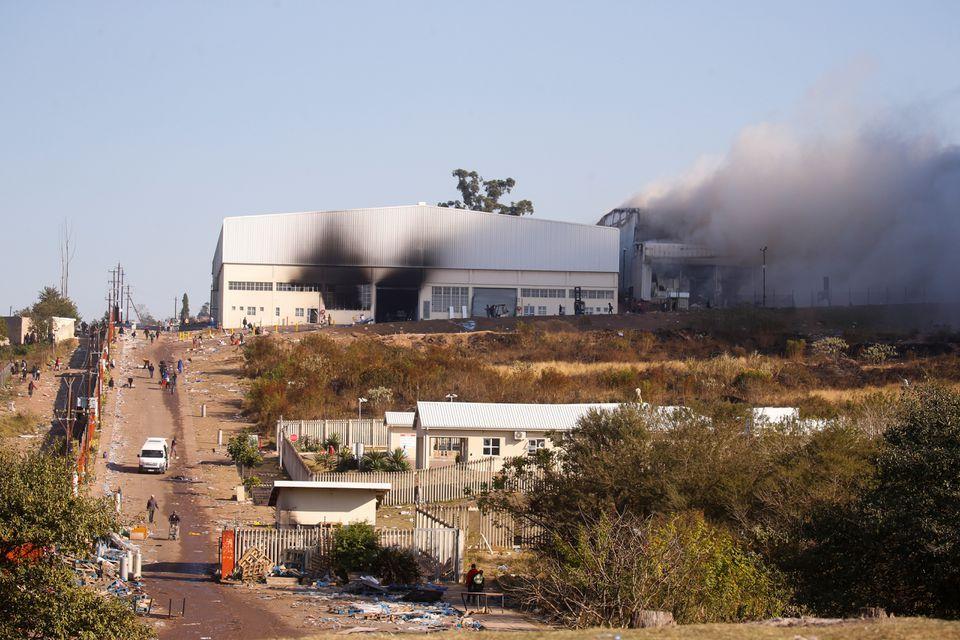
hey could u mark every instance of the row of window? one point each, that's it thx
(445, 297)
(491, 446)
(299, 286)
(543, 293)
(249, 286)
(594, 294)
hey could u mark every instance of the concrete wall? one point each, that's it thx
(318, 506)
(18, 327)
(273, 307)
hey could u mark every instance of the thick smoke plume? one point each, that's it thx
(868, 208)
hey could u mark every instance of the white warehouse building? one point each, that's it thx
(407, 262)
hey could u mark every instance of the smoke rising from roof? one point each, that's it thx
(868, 206)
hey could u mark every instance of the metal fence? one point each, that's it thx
(439, 550)
(370, 431)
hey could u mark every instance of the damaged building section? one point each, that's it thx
(416, 262)
(660, 270)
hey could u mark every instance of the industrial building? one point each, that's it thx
(414, 262)
(659, 269)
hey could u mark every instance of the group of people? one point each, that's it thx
(173, 518)
(168, 378)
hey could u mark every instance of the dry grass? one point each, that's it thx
(15, 424)
(895, 629)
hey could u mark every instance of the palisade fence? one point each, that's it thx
(372, 432)
(482, 530)
(438, 484)
(439, 550)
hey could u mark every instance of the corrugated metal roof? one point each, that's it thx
(399, 418)
(504, 416)
(418, 236)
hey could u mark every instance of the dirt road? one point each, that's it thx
(173, 570)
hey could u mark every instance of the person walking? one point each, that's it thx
(180, 366)
(173, 447)
(150, 368)
(30, 388)
(151, 508)
(173, 383)
(174, 520)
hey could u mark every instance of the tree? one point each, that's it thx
(50, 304)
(243, 451)
(41, 521)
(184, 309)
(470, 184)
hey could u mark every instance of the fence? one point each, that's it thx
(370, 431)
(481, 530)
(439, 550)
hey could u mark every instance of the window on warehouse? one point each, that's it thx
(442, 298)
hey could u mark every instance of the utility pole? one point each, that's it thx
(127, 314)
(764, 275)
(174, 308)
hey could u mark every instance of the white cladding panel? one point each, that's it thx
(419, 236)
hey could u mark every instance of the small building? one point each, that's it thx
(448, 432)
(401, 432)
(19, 327)
(312, 503)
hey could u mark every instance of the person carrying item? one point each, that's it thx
(473, 571)
(151, 508)
(476, 583)
(174, 520)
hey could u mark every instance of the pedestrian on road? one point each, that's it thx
(150, 368)
(180, 366)
(23, 374)
(173, 383)
(30, 388)
(173, 447)
(174, 520)
(56, 364)
(151, 507)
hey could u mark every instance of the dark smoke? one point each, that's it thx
(868, 208)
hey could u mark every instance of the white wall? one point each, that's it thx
(318, 506)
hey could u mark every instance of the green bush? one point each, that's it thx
(243, 451)
(397, 566)
(355, 548)
(618, 565)
(831, 347)
(878, 353)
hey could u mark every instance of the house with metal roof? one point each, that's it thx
(448, 432)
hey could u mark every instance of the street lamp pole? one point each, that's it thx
(764, 275)
(451, 397)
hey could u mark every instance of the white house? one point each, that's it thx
(309, 503)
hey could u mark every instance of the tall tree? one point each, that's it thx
(185, 309)
(484, 195)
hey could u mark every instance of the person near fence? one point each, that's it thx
(470, 574)
(476, 583)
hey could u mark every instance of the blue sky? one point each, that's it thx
(145, 124)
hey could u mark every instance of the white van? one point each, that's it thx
(154, 455)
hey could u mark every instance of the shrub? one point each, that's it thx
(397, 566)
(355, 548)
(795, 349)
(831, 347)
(618, 565)
(878, 353)
(252, 481)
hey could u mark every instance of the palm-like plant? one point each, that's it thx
(375, 461)
(397, 461)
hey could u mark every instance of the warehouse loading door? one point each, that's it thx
(396, 305)
(484, 298)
